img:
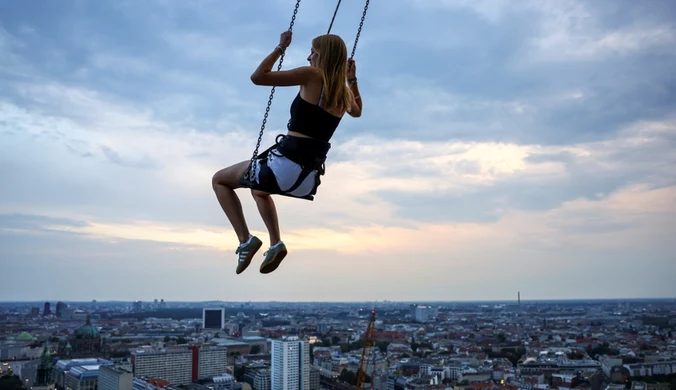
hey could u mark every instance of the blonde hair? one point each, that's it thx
(332, 66)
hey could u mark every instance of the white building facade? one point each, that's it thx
(290, 365)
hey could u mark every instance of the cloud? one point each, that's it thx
(529, 140)
(28, 223)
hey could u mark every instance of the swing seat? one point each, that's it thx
(255, 186)
(268, 182)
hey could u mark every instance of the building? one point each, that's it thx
(315, 380)
(258, 379)
(60, 306)
(290, 364)
(213, 318)
(114, 378)
(425, 313)
(174, 366)
(180, 366)
(665, 367)
(78, 374)
(209, 361)
(43, 375)
(84, 342)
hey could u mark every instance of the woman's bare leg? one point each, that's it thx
(224, 183)
(277, 251)
(266, 207)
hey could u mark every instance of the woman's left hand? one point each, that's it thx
(351, 69)
(285, 38)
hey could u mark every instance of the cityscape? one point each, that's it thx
(384, 345)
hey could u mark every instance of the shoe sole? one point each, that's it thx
(248, 259)
(274, 263)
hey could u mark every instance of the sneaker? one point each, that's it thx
(273, 257)
(246, 252)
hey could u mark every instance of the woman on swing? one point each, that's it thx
(328, 90)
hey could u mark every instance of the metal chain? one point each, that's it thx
(361, 24)
(334, 16)
(251, 173)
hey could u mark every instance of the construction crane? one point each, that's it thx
(369, 339)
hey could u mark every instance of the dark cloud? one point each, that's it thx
(560, 157)
(459, 75)
(114, 157)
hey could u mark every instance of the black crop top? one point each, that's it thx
(311, 120)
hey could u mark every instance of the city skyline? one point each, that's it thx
(502, 147)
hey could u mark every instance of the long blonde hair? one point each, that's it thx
(332, 66)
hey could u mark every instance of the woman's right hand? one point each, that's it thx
(351, 69)
(285, 38)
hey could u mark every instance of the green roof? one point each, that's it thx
(87, 331)
(25, 336)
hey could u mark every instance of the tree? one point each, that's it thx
(382, 345)
(348, 376)
(255, 349)
(239, 373)
(11, 382)
(335, 340)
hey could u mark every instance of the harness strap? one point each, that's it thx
(303, 175)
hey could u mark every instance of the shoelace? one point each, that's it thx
(270, 248)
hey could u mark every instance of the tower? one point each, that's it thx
(43, 376)
(290, 364)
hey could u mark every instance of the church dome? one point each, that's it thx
(24, 336)
(87, 331)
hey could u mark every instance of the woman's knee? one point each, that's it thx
(215, 180)
(229, 176)
(259, 194)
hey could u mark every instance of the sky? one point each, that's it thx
(504, 146)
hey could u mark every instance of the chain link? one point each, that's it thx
(251, 172)
(361, 24)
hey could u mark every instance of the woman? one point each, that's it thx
(328, 90)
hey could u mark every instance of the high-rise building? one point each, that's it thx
(315, 380)
(425, 313)
(213, 318)
(46, 311)
(60, 306)
(181, 365)
(210, 360)
(174, 366)
(290, 365)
